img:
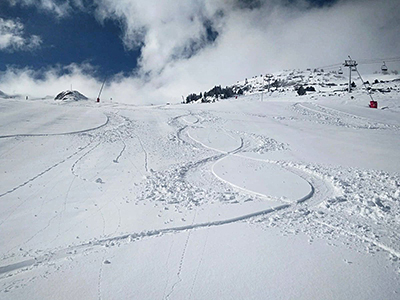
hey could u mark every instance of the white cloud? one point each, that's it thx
(51, 81)
(12, 37)
(59, 8)
(269, 38)
(177, 56)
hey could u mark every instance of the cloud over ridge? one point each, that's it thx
(190, 45)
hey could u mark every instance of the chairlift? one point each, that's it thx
(340, 71)
(384, 68)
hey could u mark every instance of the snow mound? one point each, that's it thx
(70, 96)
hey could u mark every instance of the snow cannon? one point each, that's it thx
(373, 104)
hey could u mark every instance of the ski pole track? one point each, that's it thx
(130, 134)
(45, 171)
(73, 167)
(178, 274)
(33, 236)
(198, 266)
(119, 219)
(127, 238)
(100, 278)
(64, 207)
(167, 268)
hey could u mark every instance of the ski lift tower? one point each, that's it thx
(352, 64)
(101, 89)
(384, 68)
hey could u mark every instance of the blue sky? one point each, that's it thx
(162, 49)
(75, 38)
(78, 37)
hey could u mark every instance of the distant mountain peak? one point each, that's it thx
(70, 96)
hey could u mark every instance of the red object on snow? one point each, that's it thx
(98, 99)
(373, 104)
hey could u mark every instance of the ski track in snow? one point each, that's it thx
(328, 116)
(236, 153)
(129, 122)
(116, 160)
(81, 158)
(324, 190)
(55, 134)
(60, 162)
(332, 111)
(346, 210)
(45, 171)
(152, 233)
(127, 238)
(329, 193)
(178, 274)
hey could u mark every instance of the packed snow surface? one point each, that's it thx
(286, 198)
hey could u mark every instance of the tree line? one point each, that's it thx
(217, 92)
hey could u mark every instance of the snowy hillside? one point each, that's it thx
(317, 83)
(268, 196)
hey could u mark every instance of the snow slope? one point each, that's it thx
(286, 198)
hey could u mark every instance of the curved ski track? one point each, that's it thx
(131, 237)
(55, 134)
(319, 191)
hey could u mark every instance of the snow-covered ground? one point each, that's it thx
(286, 198)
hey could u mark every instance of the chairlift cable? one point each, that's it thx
(364, 62)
